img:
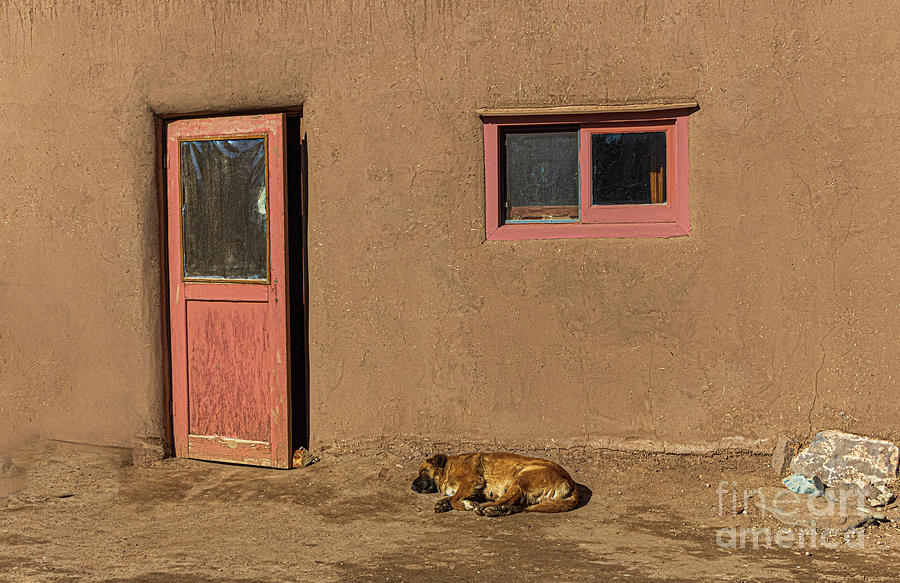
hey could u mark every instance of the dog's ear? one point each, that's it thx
(438, 460)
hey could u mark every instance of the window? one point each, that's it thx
(224, 209)
(568, 173)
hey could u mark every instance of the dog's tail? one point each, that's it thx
(561, 505)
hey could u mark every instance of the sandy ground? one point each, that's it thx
(72, 512)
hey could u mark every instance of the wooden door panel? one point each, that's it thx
(229, 383)
(228, 289)
(224, 449)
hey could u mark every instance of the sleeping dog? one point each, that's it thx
(497, 484)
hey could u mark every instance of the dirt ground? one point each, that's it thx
(72, 512)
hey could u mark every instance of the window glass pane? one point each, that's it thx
(628, 168)
(224, 214)
(541, 178)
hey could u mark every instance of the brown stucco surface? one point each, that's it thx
(778, 313)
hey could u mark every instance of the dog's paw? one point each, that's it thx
(443, 505)
(501, 510)
(470, 504)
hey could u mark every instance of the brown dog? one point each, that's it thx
(497, 484)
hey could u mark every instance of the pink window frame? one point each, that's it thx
(671, 219)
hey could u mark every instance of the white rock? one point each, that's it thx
(838, 457)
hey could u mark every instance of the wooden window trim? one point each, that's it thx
(614, 221)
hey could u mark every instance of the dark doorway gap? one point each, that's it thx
(295, 159)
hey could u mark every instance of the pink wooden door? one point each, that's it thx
(228, 289)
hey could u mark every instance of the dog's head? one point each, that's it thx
(431, 469)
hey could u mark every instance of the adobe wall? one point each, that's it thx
(778, 313)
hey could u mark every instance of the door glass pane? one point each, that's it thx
(224, 209)
(541, 177)
(628, 168)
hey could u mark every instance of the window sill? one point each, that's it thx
(517, 232)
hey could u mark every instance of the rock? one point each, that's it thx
(7, 467)
(146, 450)
(785, 451)
(303, 458)
(803, 485)
(11, 477)
(878, 495)
(819, 485)
(847, 494)
(870, 491)
(838, 457)
(809, 511)
(11, 502)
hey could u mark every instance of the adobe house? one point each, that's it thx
(423, 246)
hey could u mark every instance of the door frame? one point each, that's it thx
(296, 206)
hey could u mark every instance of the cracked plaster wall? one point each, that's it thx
(778, 313)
